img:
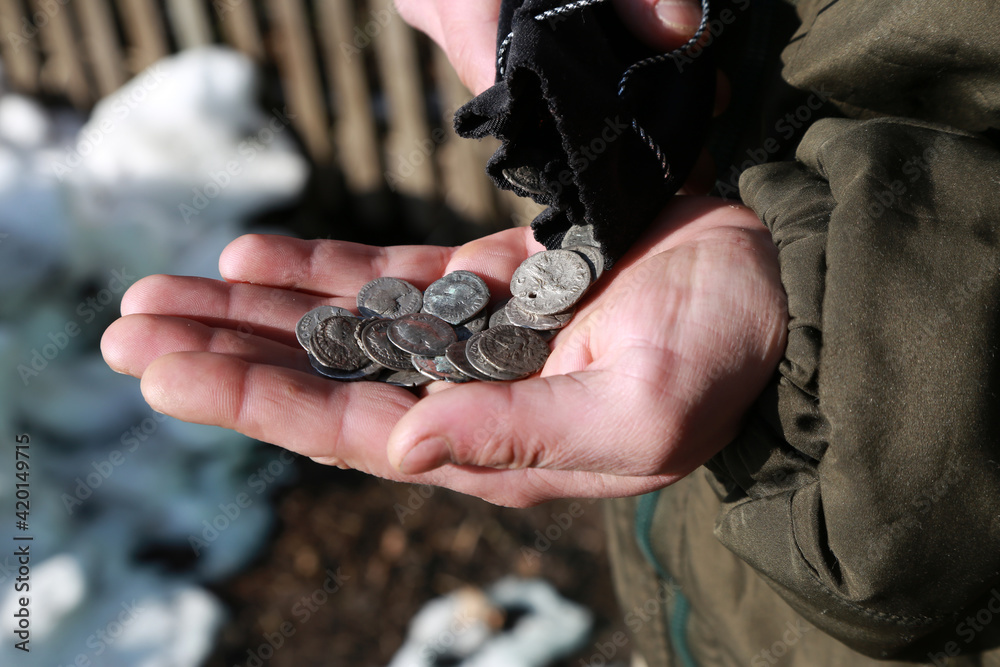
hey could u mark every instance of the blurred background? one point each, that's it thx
(140, 137)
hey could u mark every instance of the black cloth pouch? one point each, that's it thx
(598, 127)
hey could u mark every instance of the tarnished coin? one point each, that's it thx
(550, 282)
(457, 297)
(360, 327)
(456, 355)
(499, 315)
(365, 372)
(389, 297)
(334, 346)
(439, 368)
(421, 334)
(594, 258)
(376, 344)
(507, 352)
(409, 378)
(473, 326)
(518, 317)
(308, 322)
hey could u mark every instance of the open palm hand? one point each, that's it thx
(648, 381)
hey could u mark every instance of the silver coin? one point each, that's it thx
(376, 344)
(389, 297)
(594, 258)
(421, 334)
(439, 368)
(363, 373)
(507, 352)
(499, 315)
(457, 297)
(307, 323)
(456, 355)
(410, 378)
(526, 178)
(550, 282)
(333, 344)
(465, 330)
(519, 318)
(579, 235)
(360, 327)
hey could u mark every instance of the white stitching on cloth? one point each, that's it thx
(681, 50)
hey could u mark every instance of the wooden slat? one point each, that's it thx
(467, 188)
(190, 21)
(63, 71)
(103, 49)
(303, 89)
(20, 57)
(409, 145)
(239, 27)
(147, 41)
(355, 132)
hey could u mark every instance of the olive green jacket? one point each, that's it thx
(856, 518)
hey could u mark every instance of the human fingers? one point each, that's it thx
(572, 422)
(466, 31)
(341, 268)
(248, 309)
(661, 24)
(342, 424)
(133, 342)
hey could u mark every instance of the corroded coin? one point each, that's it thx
(456, 355)
(308, 322)
(334, 346)
(439, 368)
(376, 344)
(507, 352)
(410, 378)
(363, 373)
(473, 326)
(457, 297)
(550, 282)
(499, 315)
(421, 334)
(518, 317)
(594, 258)
(360, 327)
(389, 297)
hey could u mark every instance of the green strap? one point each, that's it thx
(682, 608)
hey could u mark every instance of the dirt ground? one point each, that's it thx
(386, 549)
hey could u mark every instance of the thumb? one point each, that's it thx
(661, 24)
(558, 422)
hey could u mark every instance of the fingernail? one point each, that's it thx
(425, 456)
(680, 15)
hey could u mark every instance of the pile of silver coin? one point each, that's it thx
(406, 337)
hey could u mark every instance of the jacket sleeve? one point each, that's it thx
(866, 488)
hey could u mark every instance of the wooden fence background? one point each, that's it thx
(370, 96)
